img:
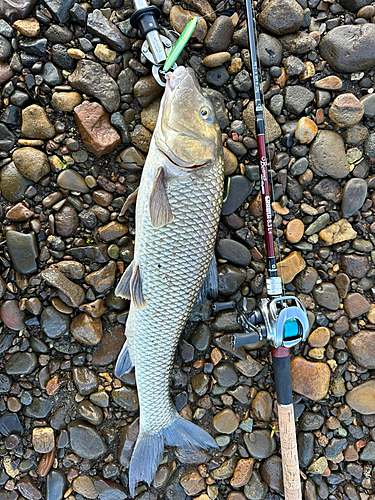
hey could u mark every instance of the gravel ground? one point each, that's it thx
(77, 109)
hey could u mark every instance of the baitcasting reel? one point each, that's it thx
(281, 320)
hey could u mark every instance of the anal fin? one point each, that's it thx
(123, 287)
(136, 289)
(160, 209)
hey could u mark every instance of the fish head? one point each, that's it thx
(187, 131)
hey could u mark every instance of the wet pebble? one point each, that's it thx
(260, 444)
(225, 421)
(85, 440)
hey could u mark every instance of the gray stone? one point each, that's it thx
(99, 25)
(335, 447)
(349, 48)
(270, 50)
(56, 483)
(220, 34)
(35, 47)
(230, 279)
(7, 138)
(297, 98)
(272, 473)
(239, 189)
(225, 374)
(242, 81)
(353, 196)
(58, 34)
(5, 49)
(126, 81)
(60, 9)
(353, 5)
(368, 102)
(61, 58)
(233, 251)
(201, 337)
(327, 155)
(6, 30)
(72, 180)
(299, 43)
(9, 424)
(85, 380)
(326, 295)
(54, 323)
(73, 294)
(217, 76)
(255, 489)
(305, 448)
(368, 452)
(11, 10)
(39, 408)
(21, 363)
(85, 440)
(281, 16)
(310, 421)
(51, 75)
(260, 444)
(305, 280)
(369, 146)
(92, 78)
(23, 251)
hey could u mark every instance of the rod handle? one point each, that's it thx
(289, 453)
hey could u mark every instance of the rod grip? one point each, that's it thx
(282, 376)
(289, 453)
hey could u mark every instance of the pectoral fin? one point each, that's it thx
(136, 289)
(123, 287)
(160, 209)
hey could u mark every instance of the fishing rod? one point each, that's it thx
(282, 320)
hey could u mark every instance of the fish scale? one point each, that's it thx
(183, 249)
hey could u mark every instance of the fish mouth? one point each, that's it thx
(183, 165)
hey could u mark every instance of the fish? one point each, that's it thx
(177, 215)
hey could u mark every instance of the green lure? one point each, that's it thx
(180, 44)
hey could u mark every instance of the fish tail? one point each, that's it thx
(149, 448)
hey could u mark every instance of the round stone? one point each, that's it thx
(294, 230)
(319, 337)
(21, 363)
(12, 316)
(353, 196)
(85, 440)
(66, 101)
(346, 110)
(326, 295)
(225, 421)
(53, 323)
(260, 444)
(93, 414)
(233, 251)
(225, 374)
(201, 337)
(31, 163)
(262, 406)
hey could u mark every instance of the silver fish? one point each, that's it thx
(177, 215)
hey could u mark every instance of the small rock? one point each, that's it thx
(338, 232)
(112, 231)
(66, 101)
(225, 421)
(35, 123)
(281, 16)
(146, 90)
(260, 444)
(297, 98)
(319, 466)
(66, 221)
(53, 323)
(310, 379)
(242, 473)
(85, 440)
(362, 398)
(43, 439)
(94, 126)
(346, 110)
(273, 128)
(99, 25)
(326, 295)
(355, 305)
(192, 482)
(262, 406)
(73, 294)
(219, 35)
(319, 337)
(84, 485)
(86, 329)
(354, 196)
(72, 180)
(288, 268)
(272, 473)
(91, 78)
(31, 163)
(215, 60)
(329, 83)
(294, 230)
(23, 251)
(306, 130)
(179, 17)
(85, 380)
(28, 489)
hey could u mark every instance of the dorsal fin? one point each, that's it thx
(160, 209)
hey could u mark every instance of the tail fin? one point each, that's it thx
(149, 448)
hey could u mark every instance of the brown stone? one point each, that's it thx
(94, 309)
(346, 110)
(84, 485)
(319, 337)
(179, 17)
(93, 122)
(242, 472)
(294, 230)
(288, 268)
(310, 379)
(306, 130)
(66, 101)
(362, 398)
(28, 489)
(27, 27)
(35, 123)
(192, 482)
(338, 232)
(19, 213)
(329, 83)
(356, 266)
(46, 462)
(86, 329)
(6, 73)
(12, 316)
(255, 207)
(355, 305)
(103, 279)
(146, 90)
(362, 346)
(43, 439)
(112, 231)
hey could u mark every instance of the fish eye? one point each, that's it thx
(206, 113)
